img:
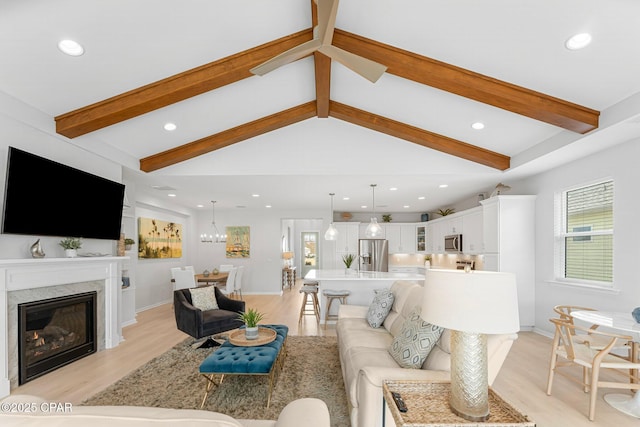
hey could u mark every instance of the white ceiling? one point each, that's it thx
(130, 44)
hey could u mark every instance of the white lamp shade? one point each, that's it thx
(374, 230)
(483, 302)
(331, 233)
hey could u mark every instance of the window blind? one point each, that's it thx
(588, 232)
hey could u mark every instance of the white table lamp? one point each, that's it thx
(470, 304)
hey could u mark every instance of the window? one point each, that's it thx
(584, 234)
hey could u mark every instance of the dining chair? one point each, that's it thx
(228, 288)
(567, 351)
(183, 277)
(593, 340)
(237, 284)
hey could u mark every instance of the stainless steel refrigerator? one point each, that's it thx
(373, 255)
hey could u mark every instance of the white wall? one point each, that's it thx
(263, 269)
(30, 130)
(621, 164)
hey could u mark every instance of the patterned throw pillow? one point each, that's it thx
(204, 298)
(380, 307)
(412, 345)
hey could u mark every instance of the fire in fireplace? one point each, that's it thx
(55, 332)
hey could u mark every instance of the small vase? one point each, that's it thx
(205, 273)
(36, 250)
(251, 333)
(70, 253)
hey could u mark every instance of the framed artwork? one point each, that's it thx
(159, 239)
(238, 242)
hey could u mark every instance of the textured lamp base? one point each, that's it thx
(469, 380)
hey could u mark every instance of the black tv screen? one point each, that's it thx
(43, 197)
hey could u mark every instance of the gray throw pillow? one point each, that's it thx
(204, 298)
(380, 307)
(413, 344)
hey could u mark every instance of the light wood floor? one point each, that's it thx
(522, 380)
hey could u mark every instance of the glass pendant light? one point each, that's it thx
(374, 230)
(332, 232)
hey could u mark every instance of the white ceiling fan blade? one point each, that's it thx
(286, 57)
(327, 10)
(368, 69)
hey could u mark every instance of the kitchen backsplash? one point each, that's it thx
(447, 261)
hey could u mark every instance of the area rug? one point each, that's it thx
(171, 380)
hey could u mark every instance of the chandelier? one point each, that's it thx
(215, 235)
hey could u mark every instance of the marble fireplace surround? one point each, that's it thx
(23, 280)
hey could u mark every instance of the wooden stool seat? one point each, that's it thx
(330, 295)
(310, 304)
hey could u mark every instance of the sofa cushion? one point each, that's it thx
(204, 298)
(414, 343)
(407, 296)
(379, 307)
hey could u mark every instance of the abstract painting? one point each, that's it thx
(238, 242)
(159, 239)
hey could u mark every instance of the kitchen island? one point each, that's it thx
(361, 284)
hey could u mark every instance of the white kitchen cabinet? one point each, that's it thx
(509, 246)
(401, 238)
(421, 238)
(452, 226)
(348, 234)
(472, 230)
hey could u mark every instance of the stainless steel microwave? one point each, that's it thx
(453, 243)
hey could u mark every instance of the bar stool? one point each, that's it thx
(330, 295)
(310, 304)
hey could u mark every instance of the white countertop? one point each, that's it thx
(362, 275)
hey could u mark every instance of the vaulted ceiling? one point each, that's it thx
(317, 124)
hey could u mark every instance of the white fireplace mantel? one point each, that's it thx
(20, 274)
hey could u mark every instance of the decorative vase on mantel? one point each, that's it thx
(36, 250)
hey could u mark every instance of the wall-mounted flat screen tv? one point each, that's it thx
(43, 197)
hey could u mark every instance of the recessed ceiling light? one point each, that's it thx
(267, 206)
(199, 206)
(421, 198)
(70, 47)
(170, 126)
(393, 189)
(578, 41)
(406, 206)
(255, 195)
(478, 125)
(443, 185)
(364, 206)
(171, 195)
(345, 198)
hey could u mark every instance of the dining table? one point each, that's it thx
(212, 278)
(625, 323)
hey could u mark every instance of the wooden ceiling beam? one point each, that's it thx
(228, 137)
(173, 89)
(322, 65)
(471, 85)
(419, 136)
(323, 83)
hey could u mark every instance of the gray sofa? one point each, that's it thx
(366, 362)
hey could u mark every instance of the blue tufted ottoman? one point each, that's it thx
(230, 359)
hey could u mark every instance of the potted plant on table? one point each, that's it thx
(71, 246)
(251, 317)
